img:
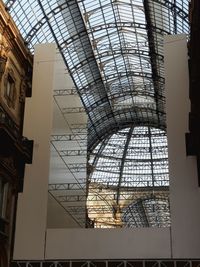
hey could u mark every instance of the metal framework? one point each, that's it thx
(147, 212)
(68, 137)
(94, 40)
(67, 186)
(81, 138)
(134, 158)
(73, 110)
(67, 153)
(113, 51)
(101, 201)
(63, 92)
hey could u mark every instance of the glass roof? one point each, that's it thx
(133, 157)
(114, 52)
(147, 212)
(129, 179)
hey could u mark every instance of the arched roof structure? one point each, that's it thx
(113, 50)
(127, 170)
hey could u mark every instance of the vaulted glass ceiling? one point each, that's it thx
(147, 212)
(133, 157)
(113, 50)
(128, 173)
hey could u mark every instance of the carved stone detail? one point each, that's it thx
(4, 49)
(23, 87)
(10, 92)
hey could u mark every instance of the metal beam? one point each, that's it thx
(129, 136)
(69, 153)
(73, 110)
(122, 24)
(72, 198)
(113, 155)
(67, 186)
(65, 92)
(110, 196)
(101, 186)
(157, 80)
(77, 167)
(69, 137)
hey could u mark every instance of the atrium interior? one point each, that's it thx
(114, 173)
(119, 76)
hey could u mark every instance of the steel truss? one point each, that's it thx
(79, 134)
(103, 202)
(80, 128)
(67, 186)
(78, 152)
(77, 167)
(82, 185)
(111, 196)
(69, 137)
(73, 110)
(64, 92)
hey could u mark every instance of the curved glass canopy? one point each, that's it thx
(133, 157)
(147, 212)
(113, 50)
(128, 173)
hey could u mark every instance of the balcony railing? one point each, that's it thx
(7, 122)
(24, 145)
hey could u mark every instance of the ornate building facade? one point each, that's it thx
(15, 150)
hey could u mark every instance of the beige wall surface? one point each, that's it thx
(184, 190)
(32, 205)
(108, 243)
(57, 217)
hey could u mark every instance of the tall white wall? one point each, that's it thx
(184, 190)
(32, 205)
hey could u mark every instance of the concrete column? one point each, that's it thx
(32, 204)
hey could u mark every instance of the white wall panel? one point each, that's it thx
(32, 204)
(141, 243)
(184, 190)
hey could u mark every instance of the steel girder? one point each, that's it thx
(74, 152)
(67, 186)
(68, 137)
(62, 92)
